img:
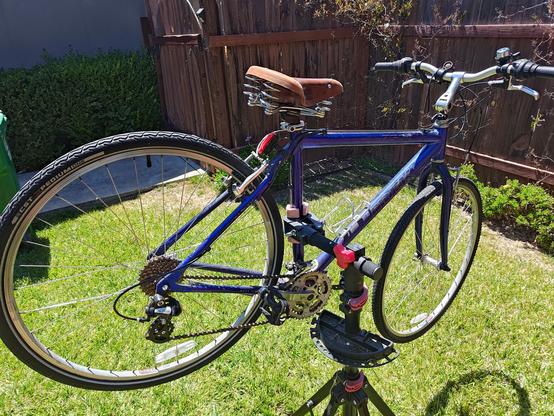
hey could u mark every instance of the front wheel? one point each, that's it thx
(81, 230)
(414, 292)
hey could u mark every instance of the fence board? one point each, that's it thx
(201, 69)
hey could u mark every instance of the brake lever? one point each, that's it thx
(525, 89)
(412, 81)
(501, 83)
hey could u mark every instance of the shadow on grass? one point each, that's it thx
(34, 254)
(440, 400)
(360, 174)
(34, 250)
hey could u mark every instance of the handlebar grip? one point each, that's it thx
(402, 65)
(367, 267)
(544, 71)
(524, 68)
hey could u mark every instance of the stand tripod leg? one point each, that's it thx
(317, 398)
(363, 410)
(377, 400)
(332, 407)
(349, 409)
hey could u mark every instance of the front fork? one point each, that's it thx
(446, 192)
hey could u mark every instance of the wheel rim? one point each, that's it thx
(74, 349)
(415, 292)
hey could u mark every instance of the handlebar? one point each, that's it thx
(518, 69)
(521, 68)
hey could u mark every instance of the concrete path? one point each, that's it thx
(121, 177)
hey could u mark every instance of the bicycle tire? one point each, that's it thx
(423, 319)
(20, 211)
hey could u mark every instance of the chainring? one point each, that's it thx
(156, 268)
(316, 282)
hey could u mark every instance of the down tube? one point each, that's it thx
(411, 169)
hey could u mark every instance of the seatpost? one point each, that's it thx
(296, 188)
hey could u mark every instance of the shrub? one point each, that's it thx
(527, 207)
(66, 102)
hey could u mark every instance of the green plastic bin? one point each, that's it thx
(8, 178)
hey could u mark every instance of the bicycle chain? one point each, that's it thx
(217, 331)
(229, 328)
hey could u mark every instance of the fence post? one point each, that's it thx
(218, 122)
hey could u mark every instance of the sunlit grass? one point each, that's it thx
(491, 354)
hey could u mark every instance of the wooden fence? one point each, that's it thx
(201, 59)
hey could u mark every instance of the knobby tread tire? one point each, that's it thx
(55, 171)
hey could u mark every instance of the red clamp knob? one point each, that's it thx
(344, 256)
(358, 303)
(352, 386)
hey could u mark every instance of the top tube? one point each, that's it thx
(342, 138)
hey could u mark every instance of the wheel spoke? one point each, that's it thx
(59, 279)
(109, 208)
(141, 206)
(418, 289)
(125, 210)
(71, 302)
(69, 268)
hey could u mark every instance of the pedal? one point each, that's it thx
(362, 350)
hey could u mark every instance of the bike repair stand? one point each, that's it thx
(343, 341)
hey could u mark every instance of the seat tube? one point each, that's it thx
(296, 188)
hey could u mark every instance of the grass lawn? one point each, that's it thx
(491, 354)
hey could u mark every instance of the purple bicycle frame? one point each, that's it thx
(433, 143)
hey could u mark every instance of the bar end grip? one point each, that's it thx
(368, 268)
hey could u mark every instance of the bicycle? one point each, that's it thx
(99, 207)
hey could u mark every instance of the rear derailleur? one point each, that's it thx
(163, 309)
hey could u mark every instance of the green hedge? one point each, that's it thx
(66, 102)
(526, 207)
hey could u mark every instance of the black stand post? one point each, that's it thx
(348, 387)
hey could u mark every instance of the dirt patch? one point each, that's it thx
(507, 242)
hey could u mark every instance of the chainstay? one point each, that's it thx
(228, 328)
(237, 277)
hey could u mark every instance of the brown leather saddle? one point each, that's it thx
(301, 92)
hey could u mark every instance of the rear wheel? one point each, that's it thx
(414, 293)
(80, 231)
